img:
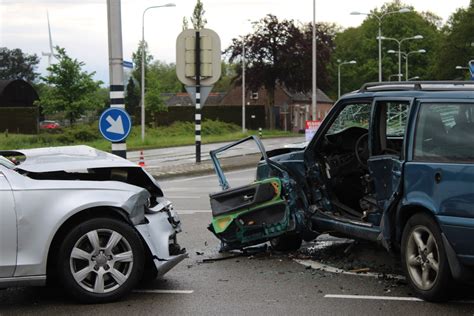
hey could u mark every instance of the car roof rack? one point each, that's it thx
(417, 85)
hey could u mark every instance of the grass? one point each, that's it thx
(177, 134)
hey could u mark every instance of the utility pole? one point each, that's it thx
(313, 98)
(197, 133)
(243, 85)
(115, 66)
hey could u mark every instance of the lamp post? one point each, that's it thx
(413, 78)
(243, 82)
(395, 75)
(399, 42)
(379, 17)
(143, 65)
(462, 68)
(313, 97)
(339, 74)
(405, 55)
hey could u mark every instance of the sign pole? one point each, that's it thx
(198, 97)
(115, 65)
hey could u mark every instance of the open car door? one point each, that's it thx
(253, 213)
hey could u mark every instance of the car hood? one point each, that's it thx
(81, 163)
(69, 158)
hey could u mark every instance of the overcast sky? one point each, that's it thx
(81, 26)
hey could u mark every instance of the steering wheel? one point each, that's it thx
(361, 150)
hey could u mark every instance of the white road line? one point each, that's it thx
(323, 267)
(182, 197)
(188, 212)
(164, 291)
(369, 297)
(389, 298)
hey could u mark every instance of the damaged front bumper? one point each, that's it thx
(159, 232)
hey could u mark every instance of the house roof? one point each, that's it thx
(17, 92)
(321, 97)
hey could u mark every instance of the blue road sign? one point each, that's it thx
(115, 124)
(127, 64)
(471, 68)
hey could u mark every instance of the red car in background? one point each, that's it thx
(49, 125)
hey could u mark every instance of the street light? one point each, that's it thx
(462, 68)
(416, 37)
(243, 81)
(379, 18)
(143, 64)
(339, 74)
(395, 75)
(315, 87)
(413, 78)
(405, 55)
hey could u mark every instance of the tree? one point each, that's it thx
(198, 20)
(185, 24)
(153, 100)
(132, 96)
(73, 91)
(229, 72)
(457, 46)
(280, 52)
(137, 60)
(14, 64)
(166, 74)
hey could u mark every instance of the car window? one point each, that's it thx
(445, 133)
(397, 113)
(353, 115)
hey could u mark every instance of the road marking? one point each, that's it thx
(165, 291)
(389, 298)
(324, 267)
(369, 297)
(182, 197)
(188, 212)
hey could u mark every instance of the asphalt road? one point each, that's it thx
(262, 283)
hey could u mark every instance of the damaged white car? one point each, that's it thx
(94, 222)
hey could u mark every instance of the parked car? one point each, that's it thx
(48, 125)
(95, 222)
(392, 163)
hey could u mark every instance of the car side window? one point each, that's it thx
(445, 133)
(353, 115)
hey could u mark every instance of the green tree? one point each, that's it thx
(132, 97)
(185, 24)
(137, 60)
(154, 101)
(73, 91)
(14, 64)
(361, 44)
(198, 20)
(166, 74)
(228, 74)
(457, 45)
(280, 52)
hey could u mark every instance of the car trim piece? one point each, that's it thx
(35, 280)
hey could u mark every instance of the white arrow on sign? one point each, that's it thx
(116, 126)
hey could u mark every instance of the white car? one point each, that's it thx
(91, 220)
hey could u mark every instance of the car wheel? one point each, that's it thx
(287, 242)
(424, 258)
(100, 260)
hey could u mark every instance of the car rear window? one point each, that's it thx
(445, 133)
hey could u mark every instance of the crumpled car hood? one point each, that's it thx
(81, 163)
(79, 157)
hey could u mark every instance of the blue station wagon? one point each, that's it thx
(392, 163)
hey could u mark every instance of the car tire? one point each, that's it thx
(424, 258)
(100, 260)
(287, 242)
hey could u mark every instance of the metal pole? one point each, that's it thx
(243, 85)
(380, 49)
(197, 132)
(406, 67)
(399, 61)
(338, 81)
(313, 99)
(143, 78)
(115, 66)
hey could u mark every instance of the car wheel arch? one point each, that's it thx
(405, 213)
(75, 219)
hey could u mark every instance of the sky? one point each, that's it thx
(80, 26)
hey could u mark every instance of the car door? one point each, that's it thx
(387, 147)
(440, 172)
(248, 214)
(8, 228)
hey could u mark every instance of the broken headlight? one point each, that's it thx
(158, 204)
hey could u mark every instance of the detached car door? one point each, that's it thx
(8, 229)
(249, 214)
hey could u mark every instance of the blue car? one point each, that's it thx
(391, 163)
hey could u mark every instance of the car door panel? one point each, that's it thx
(8, 229)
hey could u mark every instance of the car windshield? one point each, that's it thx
(6, 163)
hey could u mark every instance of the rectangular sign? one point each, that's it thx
(127, 64)
(310, 129)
